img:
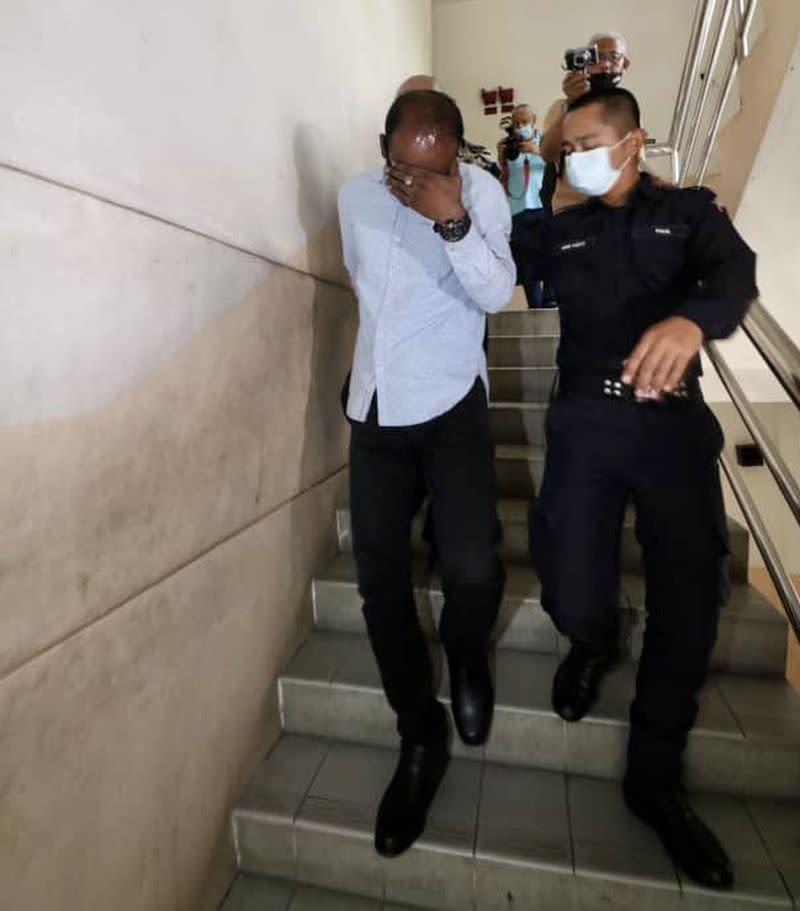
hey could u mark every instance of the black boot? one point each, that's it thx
(471, 695)
(693, 847)
(404, 808)
(577, 681)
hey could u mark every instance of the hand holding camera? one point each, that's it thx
(576, 60)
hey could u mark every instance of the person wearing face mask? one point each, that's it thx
(522, 177)
(644, 274)
(426, 243)
(612, 64)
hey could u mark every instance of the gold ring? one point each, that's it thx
(408, 181)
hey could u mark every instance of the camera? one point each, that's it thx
(513, 144)
(578, 58)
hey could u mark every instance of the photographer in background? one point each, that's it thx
(606, 73)
(522, 168)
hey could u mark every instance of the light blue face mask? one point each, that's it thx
(525, 132)
(591, 172)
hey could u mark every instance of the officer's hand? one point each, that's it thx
(657, 364)
(575, 84)
(529, 146)
(434, 196)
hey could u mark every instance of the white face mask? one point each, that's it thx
(524, 132)
(591, 172)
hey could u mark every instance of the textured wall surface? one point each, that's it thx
(175, 329)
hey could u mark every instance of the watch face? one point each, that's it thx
(453, 230)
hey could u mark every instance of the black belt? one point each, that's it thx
(598, 386)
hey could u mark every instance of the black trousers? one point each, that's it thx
(449, 458)
(601, 455)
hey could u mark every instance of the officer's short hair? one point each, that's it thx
(427, 108)
(620, 108)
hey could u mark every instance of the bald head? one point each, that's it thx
(423, 129)
(418, 83)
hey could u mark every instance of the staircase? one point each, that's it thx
(535, 819)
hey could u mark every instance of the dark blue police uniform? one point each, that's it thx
(616, 272)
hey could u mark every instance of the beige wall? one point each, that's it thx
(175, 332)
(782, 423)
(757, 154)
(520, 43)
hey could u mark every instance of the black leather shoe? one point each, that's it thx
(404, 807)
(693, 847)
(471, 696)
(577, 681)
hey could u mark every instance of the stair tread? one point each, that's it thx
(515, 509)
(550, 368)
(732, 707)
(494, 832)
(524, 406)
(745, 602)
(265, 893)
(518, 451)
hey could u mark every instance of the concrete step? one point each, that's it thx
(518, 423)
(524, 322)
(521, 384)
(523, 350)
(752, 635)
(519, 470)
(266, 893)
(513, 513)
(497, 838)
(746, 739)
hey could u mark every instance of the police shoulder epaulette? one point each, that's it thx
(705, 191)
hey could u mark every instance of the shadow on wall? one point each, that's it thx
(319, 177)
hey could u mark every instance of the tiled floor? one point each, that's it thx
(543, 838)
(746, 738)
(752, 635)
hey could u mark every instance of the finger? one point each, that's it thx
(404, 170)
(399, 194)
(634, 361)
(648, 369)
(401, 188)
(677, 373)
(664, 369)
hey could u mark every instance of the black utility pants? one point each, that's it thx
(449, 458)
(601, 454)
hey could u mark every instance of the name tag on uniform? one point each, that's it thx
(661, 231)
(573, 245)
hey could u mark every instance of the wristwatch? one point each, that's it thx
(454, 229)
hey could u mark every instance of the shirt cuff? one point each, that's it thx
(699, 313)
(470, 243)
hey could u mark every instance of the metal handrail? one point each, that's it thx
(780, 578)
(746, 26)
(780, 470)
(701, 104)
(701, 28)
(722, 101)
(775, 346)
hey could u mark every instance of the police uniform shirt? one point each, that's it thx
(618, 271)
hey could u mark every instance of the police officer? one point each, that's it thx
(644, 274)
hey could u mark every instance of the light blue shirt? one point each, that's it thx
(422, 302)
(521, 197)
